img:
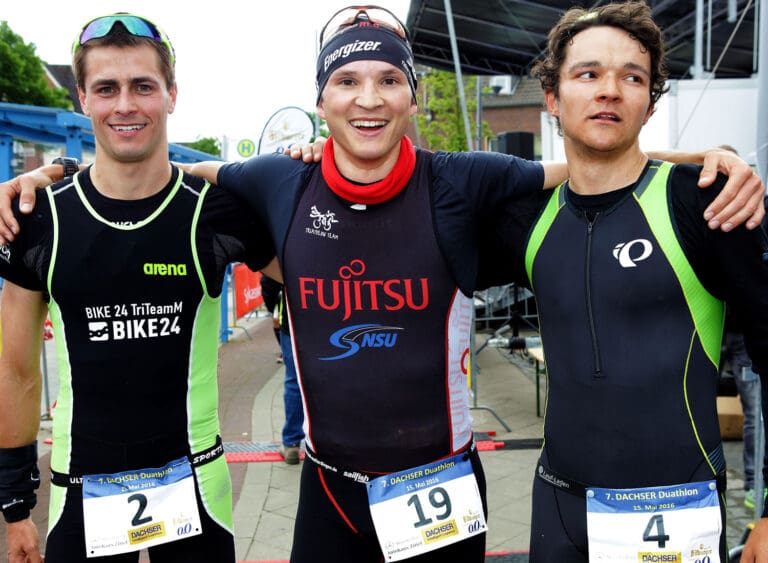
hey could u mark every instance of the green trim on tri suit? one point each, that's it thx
(62, 422)
(213, 478)
(707, 312)
(133, 226)
(540, 229)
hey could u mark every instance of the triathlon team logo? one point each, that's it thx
(629, 253)
(133, 321)
(322, 223)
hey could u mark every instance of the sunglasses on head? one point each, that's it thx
(357, 15)
(135, 25)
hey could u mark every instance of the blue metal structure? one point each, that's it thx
(55, 126)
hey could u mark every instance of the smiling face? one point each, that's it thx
(367, 105)
(603, 97)
(127, 99)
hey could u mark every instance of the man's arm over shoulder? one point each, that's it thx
(206, 169)
(469, 191)
(739, 200)
(23, 188)
(504, 241)
(486, 178)
(257, 179)
(228, 231)
(23, 261)
(731, 265)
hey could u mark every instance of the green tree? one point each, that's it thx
(441, 122)
(209, 145)
(322, 130)
(22, 78)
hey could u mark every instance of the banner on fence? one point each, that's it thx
(247, 289)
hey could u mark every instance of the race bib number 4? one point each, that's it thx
(670, 524)
(129, 511)
(426, 508)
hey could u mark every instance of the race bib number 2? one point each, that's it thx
(129, 511)
(426, 507)
(669, 524)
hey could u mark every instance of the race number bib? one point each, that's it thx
(426, 508)
(670, 524)
(129, 511)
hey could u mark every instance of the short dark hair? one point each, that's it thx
(634, 17)
(118, 36)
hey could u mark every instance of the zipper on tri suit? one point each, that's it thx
(598, 370)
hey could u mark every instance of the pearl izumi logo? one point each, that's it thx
(5, 253)
(629, 253)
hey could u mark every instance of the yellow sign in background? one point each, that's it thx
(246, 148)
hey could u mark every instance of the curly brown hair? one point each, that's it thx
(634, 17)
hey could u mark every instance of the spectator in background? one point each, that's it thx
(293, 432)
(270, 292)
(748, 385)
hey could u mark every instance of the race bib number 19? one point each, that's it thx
(670, 524)
(426, 507)
(129, 511)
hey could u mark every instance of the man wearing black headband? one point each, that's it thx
(381, 247)
(379, 298)
(367, 41)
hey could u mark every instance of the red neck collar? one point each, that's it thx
(377, 192)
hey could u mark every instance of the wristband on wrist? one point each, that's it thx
(71, 165)
(16, 510)
(19, 477)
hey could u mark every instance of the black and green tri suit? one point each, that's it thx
(632, 342)
(133, 290)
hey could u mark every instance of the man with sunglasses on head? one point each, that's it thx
(381, 248)
(128, 257)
